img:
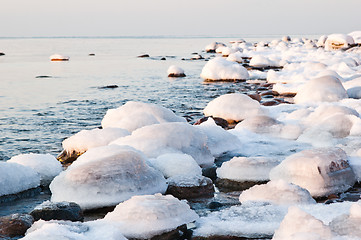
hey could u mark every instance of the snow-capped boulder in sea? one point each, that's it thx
(260, 61)
(244, 172)
(323, 89)
(233, 107)
(144, 217)
(106, 176)
(58, 57)
(134, 115)
(322, 171)
(174, 71)
(300, 225)
(219, 69)
(212, 47)
(158, 139)
(236, 57)
(277, 192)
(84, 140)
(338, 41)
(45, 165)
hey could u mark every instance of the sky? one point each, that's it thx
(49, 18)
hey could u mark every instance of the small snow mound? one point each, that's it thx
(322, 171)
(45, 165)
(174, 71)
(233, 107)
(134, 115)
(338, 41)
(146, 216)
(277, 192)
(300, 225)
(16, 178)
(219, 69)
(262, 61)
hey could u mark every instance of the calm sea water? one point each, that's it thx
(37, 114)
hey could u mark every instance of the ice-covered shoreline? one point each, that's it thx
(309, 149)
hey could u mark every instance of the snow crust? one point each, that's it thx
(106, 176)
(16, 178)
(150, 215)
(159, 139)
(220, 69)
(45, 165)
(134, 115)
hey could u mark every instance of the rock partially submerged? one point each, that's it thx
(15, 225)
(58, 211)
(188, 187)
(174, 71)
(58, 57)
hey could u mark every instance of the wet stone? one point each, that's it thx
(109, 87)
(179, 233)
(226, 185)
(58, 211)
(176, 75)
(43, 76)
(15, 225)
(67, 158)
(184, 187)
(143, 56)
(270, 103)
(219, 121)
(255, 96)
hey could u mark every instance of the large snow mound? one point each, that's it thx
(45, 165)
(277, 192)
(158, 139)
(337, 41)
(233, 107)
(146, 216)
(134, 115)
(247, 168)
(16, 178)
(322, 171)
(87, 139)
(106, 176)
(219, 69)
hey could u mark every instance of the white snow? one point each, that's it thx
(87, 139)
(262, 61)
(150, 215)
(337, 41)
(277, 192)
(348, 224)
(173, 164)
(16, 178)
(356, 35)
(321, 171)
(247, 168)
(158, 139)
(106, 176)
(45, 165)
(233, 107)
(220, 69)
(134, 115)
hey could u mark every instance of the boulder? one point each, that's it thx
(174, 71)
(187, 187)
(15, 225)
(219, 69)
(58, 211)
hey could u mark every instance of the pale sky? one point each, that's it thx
(41, 18)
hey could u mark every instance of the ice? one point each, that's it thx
(220, 69)
(323, 89)
(337, 41)
(62, 230)
(348, 224)
(45, 165)
(233, 107)
(219, 141)
(277, 192)
(158, 139)
(322, 171)
(301, 226)
(175, 71)
(134, 115)
(173, 164)
(150, 215)
(247, 168)
(87, 139)
(106, 176)
(16, 178)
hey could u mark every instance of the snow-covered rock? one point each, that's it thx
(277, 192)
(175, 71)
(348, 225)
(188, 186)
(173, 164)
(233, 107)
(261, 61)
(321, 171)
(323, 89)
(58, 57)
(338, 41)
(158, 139)
(45, 165)
(16, 178)
(212, 47)
(146, 216)
(134, 115)
(219, 69)
(106, 176)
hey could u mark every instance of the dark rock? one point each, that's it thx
(176, 75)
(219, 121)
(185, 187)
(67, 158)
(179, 233)
(2, 54)
(255, 96)
(269, 92)
(210, 172)
(109, 87)
(288, 95)
(218, 237)
(91, 54)
(197, 57)
(226, 185)
(58, 211)
(215, 205)
(163, 59)
(15, 225)
(266, 85)
(144, 56)
(43, 76)
(270, 103)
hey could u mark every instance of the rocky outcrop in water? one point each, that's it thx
(58, 211)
